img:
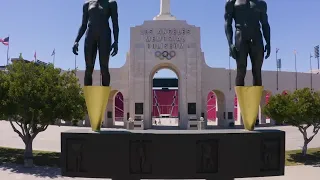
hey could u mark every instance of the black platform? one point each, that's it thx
(179, 154)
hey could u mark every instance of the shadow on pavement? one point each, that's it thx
(312, 159)
(40, 158)
(35, 171)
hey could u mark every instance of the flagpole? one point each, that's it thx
(75, 64)
(277, 68)
(229, 74)
(54, 57)
(311, 71)
(316, 55)
(8, 48)
(295, 67)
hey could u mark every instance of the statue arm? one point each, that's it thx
(85, 18)
(228, 17)
(115, 22)
(264, 22)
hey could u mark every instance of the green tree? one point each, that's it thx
(300, 109)
(34, 96)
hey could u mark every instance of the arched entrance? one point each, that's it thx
(165, 95)
(215, 108)
(211, 108)
(118, 113)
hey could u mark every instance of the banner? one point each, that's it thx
(279, 63)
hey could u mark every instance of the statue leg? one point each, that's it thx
(104, 56)
(90, 54)
(243, 51)
(256, 55)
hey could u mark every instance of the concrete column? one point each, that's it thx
(165, 7)
(165, 13)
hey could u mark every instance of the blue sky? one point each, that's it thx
(42, 25)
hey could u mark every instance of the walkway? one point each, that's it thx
(16, 172)
(50, 139)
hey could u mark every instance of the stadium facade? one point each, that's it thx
(167, 43)
(200, 90)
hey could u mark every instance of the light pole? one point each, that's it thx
(316, 55)
(277, 50)
(75, 65)
(229, 74)
(295, 67)
(311, 71)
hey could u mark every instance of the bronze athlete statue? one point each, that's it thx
(249, 17)
(95, 22)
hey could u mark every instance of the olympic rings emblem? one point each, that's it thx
(165, 54)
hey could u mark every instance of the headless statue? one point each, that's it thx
(248, 15)
(95, 22)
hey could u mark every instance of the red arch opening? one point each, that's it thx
(165, 102)
(118, 107)
(212, 106)
(235, 109)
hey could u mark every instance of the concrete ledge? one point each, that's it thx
(181, 154)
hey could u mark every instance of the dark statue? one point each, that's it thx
(248, 15)
(95, 22)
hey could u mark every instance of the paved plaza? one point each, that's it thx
(17, 172)
(50, 141)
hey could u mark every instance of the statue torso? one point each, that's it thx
(247, 14)
(99, 14)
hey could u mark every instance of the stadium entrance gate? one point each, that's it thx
(165, 103)
(157, 45)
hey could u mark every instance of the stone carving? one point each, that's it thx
(270, 155)
(165, 55)
(140, 155)
(75, 153)
(207, 156)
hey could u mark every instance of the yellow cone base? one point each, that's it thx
(249, 98)
(96, 100)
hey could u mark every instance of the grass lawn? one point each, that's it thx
(41, 158)
(294, 157)
(52, 159)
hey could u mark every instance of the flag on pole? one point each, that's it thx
(35, 55)
(5, 41)
(277, 50)
(316, 51)
(53, 52)
(279, 63)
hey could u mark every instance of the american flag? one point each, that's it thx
(53, 52)
(5, 41)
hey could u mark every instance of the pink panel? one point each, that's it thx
(118, 107)
(165, 102)
(235, 109)
(211, 106)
